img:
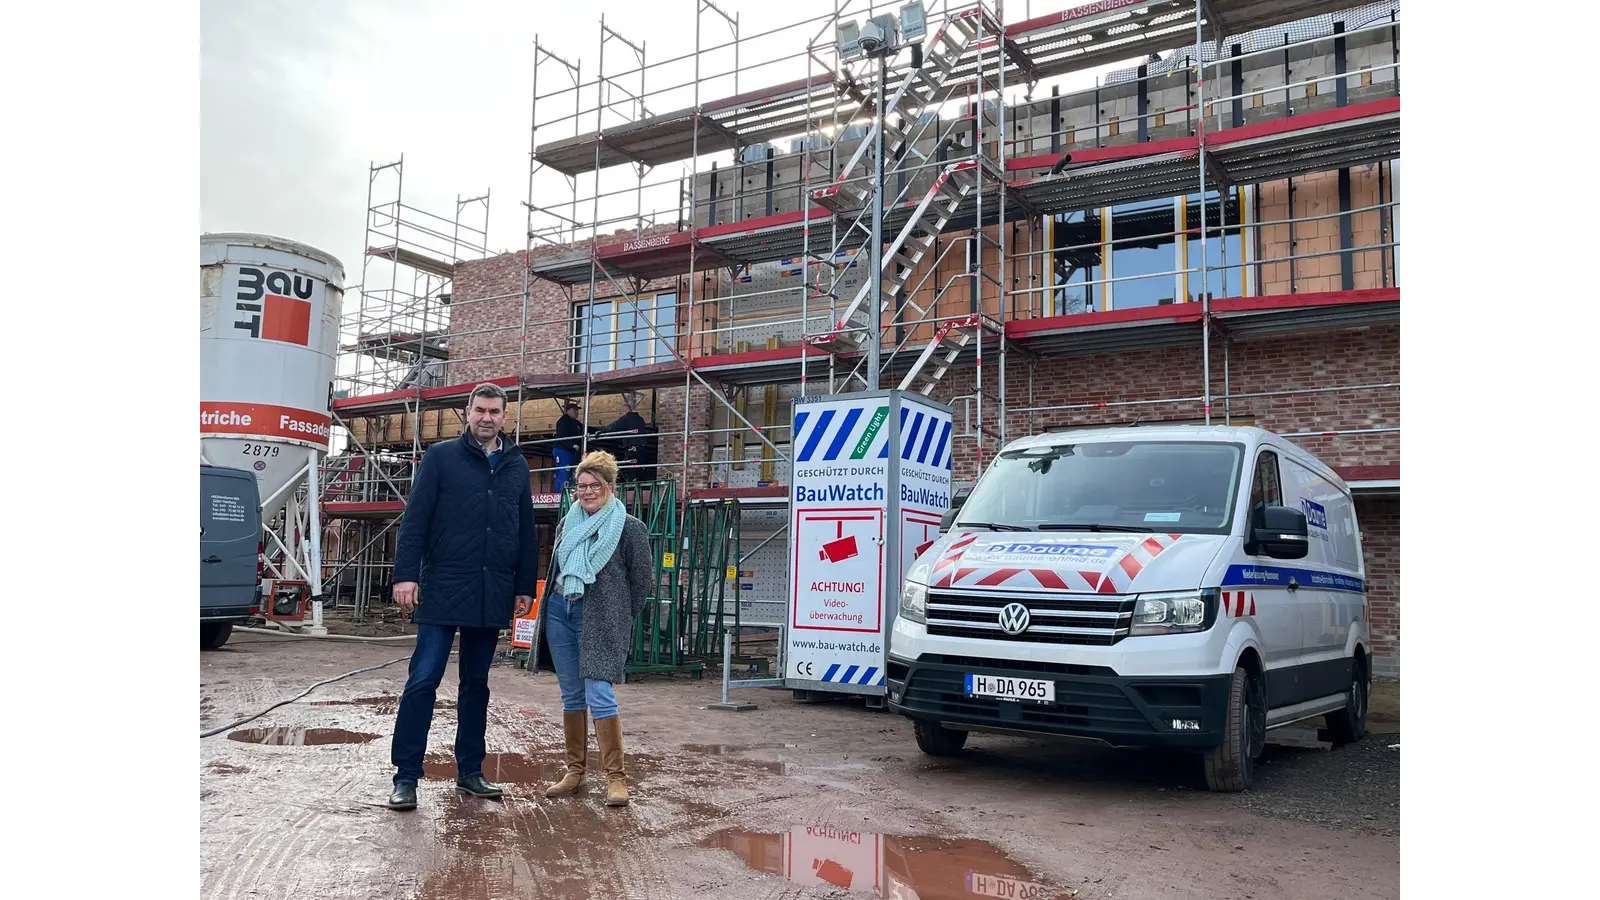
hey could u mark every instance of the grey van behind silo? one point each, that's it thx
(230, 535)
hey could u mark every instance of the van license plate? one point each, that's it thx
(1006, 888)
(1011, 688)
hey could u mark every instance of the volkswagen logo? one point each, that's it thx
(1014, 619)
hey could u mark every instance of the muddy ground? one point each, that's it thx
(788, 801)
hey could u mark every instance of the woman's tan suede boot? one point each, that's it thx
(608, 734)
(576, 726)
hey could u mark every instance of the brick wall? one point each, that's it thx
(1380, 544)
(486, 326)
(1360, 356)
(1318, 265)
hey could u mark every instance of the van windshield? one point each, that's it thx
(1166, 486)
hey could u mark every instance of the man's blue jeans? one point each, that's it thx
(563, 625)
(428, 663)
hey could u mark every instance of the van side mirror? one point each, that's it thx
(1281, 533)
(948, 519)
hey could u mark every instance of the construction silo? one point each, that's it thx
(269, 338)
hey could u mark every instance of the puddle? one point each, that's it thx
(885, 865)
(500, 768)
(730, 748)
(298, 737)
(497, 851)
(526, 768)
(771, 767)
(228, 769)
(388, 704)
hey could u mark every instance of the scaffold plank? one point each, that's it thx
(1179, 323)
(1106, 176)
(380, 510)
(419, 261)
(1073, 39)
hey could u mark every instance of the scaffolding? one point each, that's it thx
(686, 253)
(395, 339)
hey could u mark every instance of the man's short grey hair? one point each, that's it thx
(488, 390)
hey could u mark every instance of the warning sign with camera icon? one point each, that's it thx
(839, 587)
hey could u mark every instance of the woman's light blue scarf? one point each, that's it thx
(587, 542)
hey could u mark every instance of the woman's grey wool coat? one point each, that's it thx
(610, 605)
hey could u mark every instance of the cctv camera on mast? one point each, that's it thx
(881, 35)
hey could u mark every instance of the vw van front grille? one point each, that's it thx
(1093, 619)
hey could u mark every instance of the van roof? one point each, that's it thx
(1249, 435)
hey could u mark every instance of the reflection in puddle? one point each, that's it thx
(893, 867)
(565, 850)
(771, 767)
(386, 704)
(299, 737)
(500, 768)
(724, 749)
(543, 768)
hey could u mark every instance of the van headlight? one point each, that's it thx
(914, 602)
(1175, 612)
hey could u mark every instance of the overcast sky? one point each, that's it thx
(299, 97)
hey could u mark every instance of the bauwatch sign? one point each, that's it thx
(871, 481)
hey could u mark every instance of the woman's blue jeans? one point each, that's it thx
(563, 626)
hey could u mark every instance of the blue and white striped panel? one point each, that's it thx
(842, 674)
(833, 434)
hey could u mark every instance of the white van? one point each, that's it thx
(1176, 586)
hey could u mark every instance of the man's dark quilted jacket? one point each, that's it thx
(467, 537)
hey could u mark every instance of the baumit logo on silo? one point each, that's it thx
(274, 306)
(278, 309)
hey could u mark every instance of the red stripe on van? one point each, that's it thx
(1049, 579)
(1130, 565)
(998, 576)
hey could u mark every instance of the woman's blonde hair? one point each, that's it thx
(601, 465)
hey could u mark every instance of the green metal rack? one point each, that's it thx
(711, 538)
(711, 583)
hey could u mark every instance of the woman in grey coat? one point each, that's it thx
(600, 575)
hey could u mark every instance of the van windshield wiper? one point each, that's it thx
(993, 526)
(1093, 526)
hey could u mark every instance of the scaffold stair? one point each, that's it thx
(337, 473)
(901, 257)
(948, 343)
(922, 87)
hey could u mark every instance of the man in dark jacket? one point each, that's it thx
(569, 444)
(466, 557)
(632, 441)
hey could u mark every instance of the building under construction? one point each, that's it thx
(1210, 234)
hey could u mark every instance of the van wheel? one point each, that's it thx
(1231, 767)
(937, 740)
(1349, 724)
(214, 634)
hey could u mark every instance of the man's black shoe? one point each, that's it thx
(404, 796)
(477, 787)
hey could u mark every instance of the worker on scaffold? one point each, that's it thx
(569, 442)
